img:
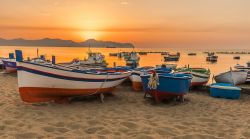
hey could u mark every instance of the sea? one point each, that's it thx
(66, 54)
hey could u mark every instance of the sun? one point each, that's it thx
(91, 34)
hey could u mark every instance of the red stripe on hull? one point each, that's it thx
(159, 96)
(198, 83)
(10, 70)
(137, 86)
(36, 94)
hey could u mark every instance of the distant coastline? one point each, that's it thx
(64, 43)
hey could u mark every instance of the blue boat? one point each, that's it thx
(225, 90)
(166, 85)
(9, 63)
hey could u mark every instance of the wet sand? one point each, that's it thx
(125, 115)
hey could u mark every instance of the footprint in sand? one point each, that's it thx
(144, 137)
(48, 129)
(93, 130)
(74, 126)
(28, 135)
(62, 130)
(129, 125)
(10, 122)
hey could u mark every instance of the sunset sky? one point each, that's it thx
(146, 23)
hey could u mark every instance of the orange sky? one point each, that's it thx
(146, 23)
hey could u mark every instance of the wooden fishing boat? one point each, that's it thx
(1, 63)
(167, 85)
(94, 60)
(224, 90)
(200, 76)
(45, 83)
(237, 57)
(192, 54)
(211, 57)
(172, 57)
(172, 66)
(9, 65)
(244, 68)
(234, 77)
(133, 59)
(136, 79)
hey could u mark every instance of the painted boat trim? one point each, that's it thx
(226, 87)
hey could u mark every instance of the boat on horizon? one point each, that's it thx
(172, 57)
(132, 60)
(200, 76)
(212, 57)
(192, 54)
(236, 57)
(234, 77)
(52, 82)
(166, 85)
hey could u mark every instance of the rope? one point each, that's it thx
(153, 81)
(100, 86)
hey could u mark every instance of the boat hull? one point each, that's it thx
(225, 91)
(232, 77)
(198, 79)
(167, 87)
(41, 84)
(136, 80)
(10, 65)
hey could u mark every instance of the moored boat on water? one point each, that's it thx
(172, 66)
(94, 60)
(192, 54)
(234, 77)
(200, 76)
(166, 85)
(133, 59)
(236, 57)
(172, 57)
(45, 83)
(212, 57)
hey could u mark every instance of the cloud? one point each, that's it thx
(124, 3)
(218, 28)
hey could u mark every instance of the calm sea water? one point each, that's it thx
(66, 54)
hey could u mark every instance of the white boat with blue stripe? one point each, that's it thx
(51, 82)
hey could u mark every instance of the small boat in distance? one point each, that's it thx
(171, 66)
(142, 53)
(52, 82)
(166, 85)
(192, 54)
(94, 60)
(172, 57)
(200, 76)
(237, 57)
(234, 77)
(223, 90)
(212, 57)
(132, 60)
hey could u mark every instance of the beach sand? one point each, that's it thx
(125, 115)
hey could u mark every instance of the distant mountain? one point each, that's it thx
(63, 43)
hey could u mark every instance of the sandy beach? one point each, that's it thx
(125, 115)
